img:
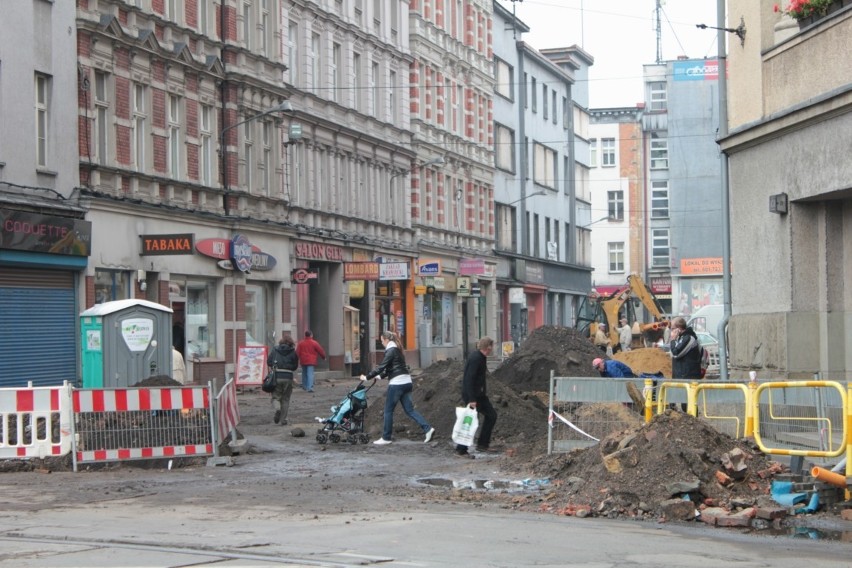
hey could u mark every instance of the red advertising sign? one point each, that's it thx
(303, 276)
(318, 251)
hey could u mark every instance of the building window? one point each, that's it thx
(504, 86)
(505, 230)
(615, 205)
(111, 285)
(256, 315)
(101, 118)
(171, 10)
(200, 316)
(374, 90)
(658, 96)
(247, 25)
(544, 106)
(593, 153)
(660, 248)
(174, 137)
(205, 154)
(545, 166)
(553, 106)
(615, 253)
(659, 153)
(336, 70)
(357, 77)
(293, 52)
(390, 302)
(392, 97)
(608, 152)
(659, 199)
(504, 154)
(264, 27)
(359, 11)
(268, 136)
(565, 111)
(441, 304)
(138, 125)
(377, 15)
(248, 147)
(534, 94)
(42, 88)
(203, 15)
(394, 21)
(316, 63)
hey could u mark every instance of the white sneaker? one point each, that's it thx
(429, 435)
(382, 442)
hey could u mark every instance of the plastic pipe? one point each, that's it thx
(829, 477)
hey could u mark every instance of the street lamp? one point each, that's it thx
(607, 218)
(437, 161)
(533, 194)
(286, 106)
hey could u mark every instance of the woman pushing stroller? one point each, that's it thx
(394, 368)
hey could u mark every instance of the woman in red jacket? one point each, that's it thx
(308, 350)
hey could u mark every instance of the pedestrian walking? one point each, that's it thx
(283, 361)
(396, 371)
(474, 395)
(309, 350)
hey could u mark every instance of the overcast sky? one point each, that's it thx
(621, 36)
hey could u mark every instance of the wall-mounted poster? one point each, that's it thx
(251, 365)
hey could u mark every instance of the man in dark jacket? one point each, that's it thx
(283, 360)
(686, 351)
(474, 394)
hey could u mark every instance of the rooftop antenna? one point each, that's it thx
(659, 31)
(514, 20)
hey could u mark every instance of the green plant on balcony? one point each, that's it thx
(804, 9)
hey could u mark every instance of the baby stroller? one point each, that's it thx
(347, 418)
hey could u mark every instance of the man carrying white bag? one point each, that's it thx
(475, 402)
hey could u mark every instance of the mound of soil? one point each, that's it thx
(650, 360)
(563, 350)
(633, 472)
(521, 417)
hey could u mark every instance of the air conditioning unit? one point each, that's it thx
(552, 250)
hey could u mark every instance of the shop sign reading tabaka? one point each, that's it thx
(153, 245)
(318, 251)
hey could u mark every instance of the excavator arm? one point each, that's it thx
(608, 308)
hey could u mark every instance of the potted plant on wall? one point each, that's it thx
(806, 12)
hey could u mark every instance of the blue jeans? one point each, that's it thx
(308, 377)
(396, 394)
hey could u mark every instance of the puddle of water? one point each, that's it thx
(809, 533)
(484, 484)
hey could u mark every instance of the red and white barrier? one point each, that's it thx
(142, 423)
(227, 409)
(36, 422)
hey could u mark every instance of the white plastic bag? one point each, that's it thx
(467, 421)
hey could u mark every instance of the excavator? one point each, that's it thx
(595, 310)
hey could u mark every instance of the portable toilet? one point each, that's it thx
(125, 342)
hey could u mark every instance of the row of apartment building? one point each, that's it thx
(270, 166)
(265, 167)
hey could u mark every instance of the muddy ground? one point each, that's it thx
(632, 473)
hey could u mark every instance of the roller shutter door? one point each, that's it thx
(38, 327)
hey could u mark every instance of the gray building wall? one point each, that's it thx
(38, 37)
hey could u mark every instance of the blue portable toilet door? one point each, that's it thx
(38, 333)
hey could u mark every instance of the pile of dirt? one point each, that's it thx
(635, 471)
(563, 350)
(521, 417)
(630, 473)
(651, 360)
